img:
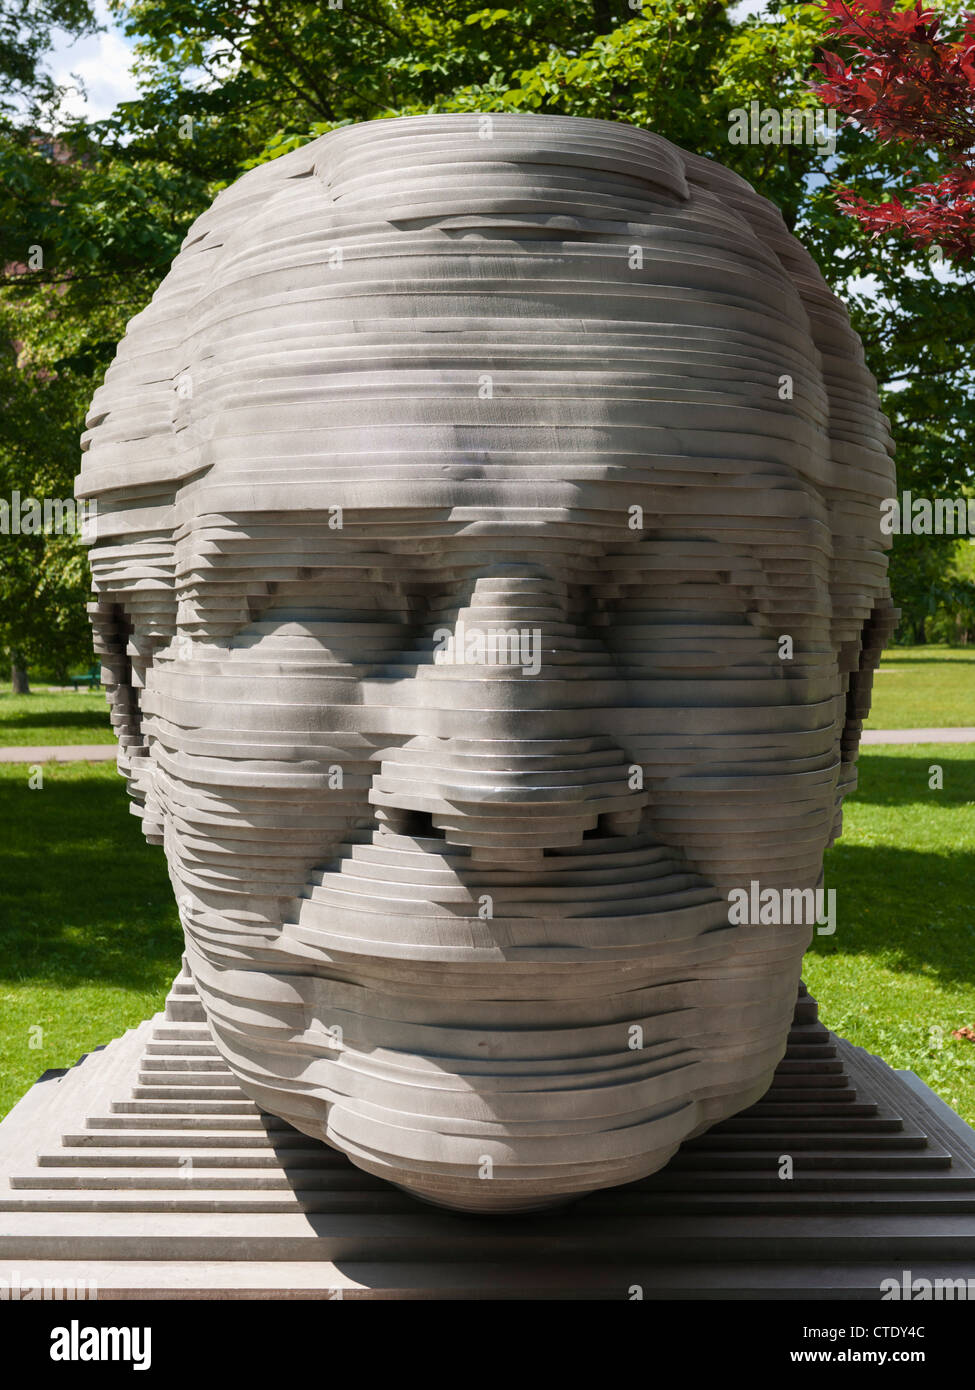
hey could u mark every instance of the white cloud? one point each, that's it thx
(102, 61)
(744, 9)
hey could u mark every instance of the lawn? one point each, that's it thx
(899, 974)
(924, 688)
(89, 935)
(71, 716)
(91, 940)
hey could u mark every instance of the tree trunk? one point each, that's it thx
(602, 13)
(18, 675)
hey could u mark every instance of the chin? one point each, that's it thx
(507, 1063)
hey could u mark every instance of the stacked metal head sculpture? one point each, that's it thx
(488, 581)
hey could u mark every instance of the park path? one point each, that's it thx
(105, 752)
(61, 753)
(918, 736)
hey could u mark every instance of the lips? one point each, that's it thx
(398, 899)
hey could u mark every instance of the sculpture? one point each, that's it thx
(455, 493)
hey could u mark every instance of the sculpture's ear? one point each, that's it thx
(133, 615)
(134, 455)
(861, 658)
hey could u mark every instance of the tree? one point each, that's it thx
(27, 90)
(43, 574)
(903, 78)
(907, 88)
(28, 99)
(225, 84)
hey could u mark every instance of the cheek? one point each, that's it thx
(745, 793)
(737, 733)
(254, 784)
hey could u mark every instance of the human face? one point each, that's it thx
(445, 904)
(461, 909)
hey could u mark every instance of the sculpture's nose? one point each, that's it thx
(511, 795)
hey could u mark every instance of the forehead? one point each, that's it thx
(386, 498)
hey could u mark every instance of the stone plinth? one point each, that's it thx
(146, 1170)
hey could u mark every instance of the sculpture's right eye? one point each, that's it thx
(361, 643)
(361, 621)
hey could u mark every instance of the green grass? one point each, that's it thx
(899, 973)
(924, 688)
(89, 935)
(74, 716)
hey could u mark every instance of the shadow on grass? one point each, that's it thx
(57, 719)
(902, 779)
(83, 898)
(909, 908)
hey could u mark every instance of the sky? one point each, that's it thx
(102, 61)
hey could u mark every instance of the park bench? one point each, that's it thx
(92, 677)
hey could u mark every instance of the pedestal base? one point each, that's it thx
(145, 1170)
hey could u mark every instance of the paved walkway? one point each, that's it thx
(918, 736)
(105, 752)
(63, 753)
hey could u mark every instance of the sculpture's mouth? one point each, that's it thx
(583, 880)
(392, 897)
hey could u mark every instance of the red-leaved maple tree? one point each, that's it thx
(902, 78)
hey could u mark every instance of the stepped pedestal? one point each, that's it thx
(145, 1170)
